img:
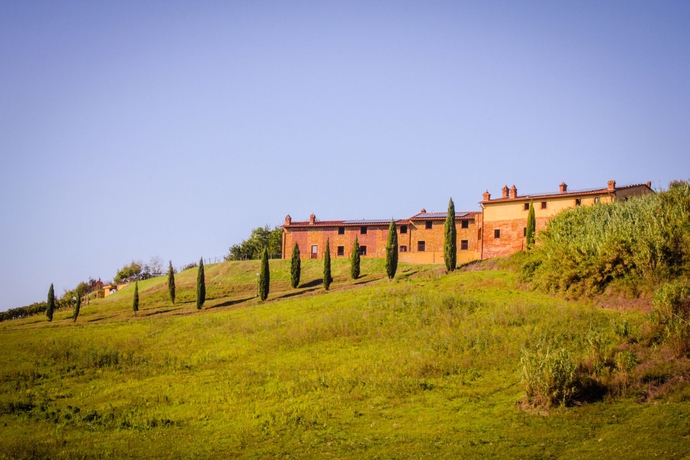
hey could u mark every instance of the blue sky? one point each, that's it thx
(138, 129)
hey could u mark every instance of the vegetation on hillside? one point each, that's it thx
(640, 241)
(252, 248)
(427, 365)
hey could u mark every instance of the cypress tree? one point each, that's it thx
(327, 279)
(392, 250)
(531, 226)
(200, 286)
(264, 276)
(135, 301)
(50, 304)
(295, 267)
(354, 260)
(171, 282)
(450, 241)
(77, 305)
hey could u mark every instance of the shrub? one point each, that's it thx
(672, 313)
(549, 376)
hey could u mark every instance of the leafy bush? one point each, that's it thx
(672, 313)
(549, 376)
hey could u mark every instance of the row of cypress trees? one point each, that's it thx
(200, 287)
(449, 250)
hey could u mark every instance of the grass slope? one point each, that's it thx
(425, 366)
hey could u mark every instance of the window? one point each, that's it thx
(524, 231)
(543, 204)
(421, 246)
(526, 206)
(403, 248)
(363, 230)
(341, 230)
(362, 250)
(464, 244)
(341, 250)
(497, 233)
(596, 199)
(403, 229)
(578, 202)
(428, 224)
(465, 224)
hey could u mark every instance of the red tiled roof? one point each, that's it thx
(346, 223)
(585, 192)
(459, 215)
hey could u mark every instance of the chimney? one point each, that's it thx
(312, 219)
(423, 211)
(649, 183)
(612, 185)
(288, 220)
(513, 191)
(563, 187)
(504, 192)
(487, 196)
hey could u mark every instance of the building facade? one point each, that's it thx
(505, 219)
(498, 229)
(420, 238)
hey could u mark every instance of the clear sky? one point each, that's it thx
(135, 129)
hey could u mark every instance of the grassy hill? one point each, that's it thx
(428, 365)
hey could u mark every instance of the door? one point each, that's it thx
(314, 251)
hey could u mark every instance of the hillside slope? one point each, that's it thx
(427, 365)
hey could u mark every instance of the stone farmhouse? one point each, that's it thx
(498, 229)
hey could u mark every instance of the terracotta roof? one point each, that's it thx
(346, 223)
(581, 192)
(442, 215)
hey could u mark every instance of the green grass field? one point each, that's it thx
(425, 366)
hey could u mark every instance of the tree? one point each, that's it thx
(171, 282)
(354, 260)
(531, 226)
(261, 238)
(50, 305)
(264, 276)
(295, 267)
(77, 304)
(450, 240)
(129, 272)
(155, 266)
(135, 301)
(200, 286)
(327, 278)
(392, 250)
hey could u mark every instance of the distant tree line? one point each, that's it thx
(261, 238)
